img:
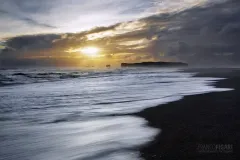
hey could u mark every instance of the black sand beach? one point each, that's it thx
(205, 126)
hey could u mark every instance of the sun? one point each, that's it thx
(90, 51)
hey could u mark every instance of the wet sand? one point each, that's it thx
(204, 126)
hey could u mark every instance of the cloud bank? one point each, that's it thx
(203, 34)
(20, 17)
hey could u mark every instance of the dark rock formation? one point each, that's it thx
(155, 64)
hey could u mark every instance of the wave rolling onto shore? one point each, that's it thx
(72, 114)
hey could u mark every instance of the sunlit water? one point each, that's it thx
(68, 114)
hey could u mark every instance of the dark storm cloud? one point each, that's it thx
(28, 46)
(201, 35)
(210, 31)
(36, 42)
(198, 34)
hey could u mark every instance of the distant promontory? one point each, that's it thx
(155, 64)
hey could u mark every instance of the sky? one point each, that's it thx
(44, 32)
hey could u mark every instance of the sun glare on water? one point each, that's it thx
(90, 51)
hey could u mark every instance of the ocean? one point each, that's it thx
(73, 114)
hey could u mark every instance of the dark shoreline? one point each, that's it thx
(198, 121)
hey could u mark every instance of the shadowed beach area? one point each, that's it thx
(204, 126)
